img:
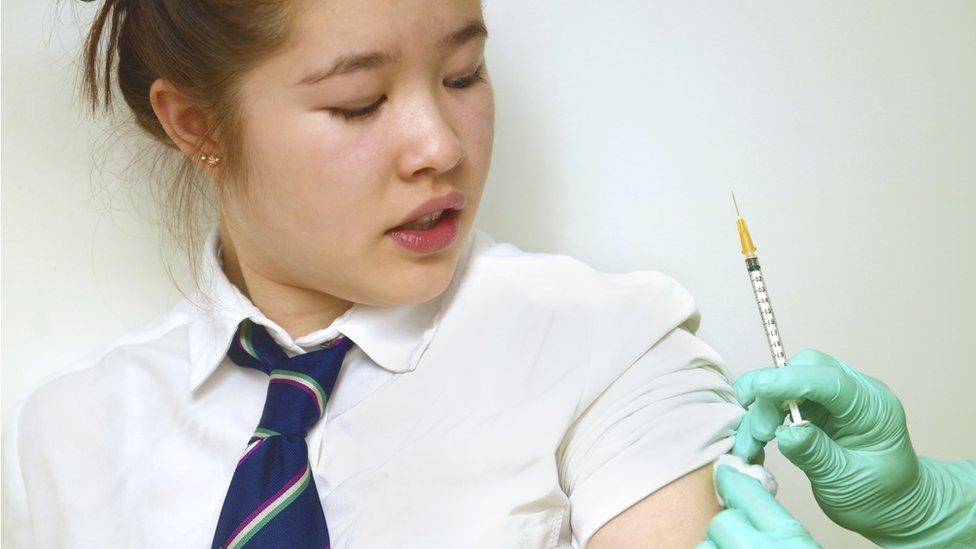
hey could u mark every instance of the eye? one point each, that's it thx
(365, 112)
(471, 79)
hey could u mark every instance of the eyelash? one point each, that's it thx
(353, 114)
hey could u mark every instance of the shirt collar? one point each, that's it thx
(393, 337)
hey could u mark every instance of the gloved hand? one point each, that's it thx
(753, 518)
(857, 454)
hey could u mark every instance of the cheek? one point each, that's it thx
(344, 177)
(309, 165)
(299, 150)
(478, 128)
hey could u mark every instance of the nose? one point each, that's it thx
(433, 144)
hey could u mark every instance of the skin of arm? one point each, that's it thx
(677, 515)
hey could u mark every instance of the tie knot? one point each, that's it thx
(298, 386)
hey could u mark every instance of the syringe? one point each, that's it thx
(762, 299)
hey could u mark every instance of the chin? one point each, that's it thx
(422, 284)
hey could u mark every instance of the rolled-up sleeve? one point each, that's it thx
(652, 420)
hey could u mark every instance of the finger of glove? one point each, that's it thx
(743, 386)
(707, 544)
(810, 449)
(744, 493)
(827, 385)
(746, 446)
(764, 417)
(731, 529)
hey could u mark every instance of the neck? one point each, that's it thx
(300, 311)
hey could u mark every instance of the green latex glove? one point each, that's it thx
(753, 518)
(857, 454)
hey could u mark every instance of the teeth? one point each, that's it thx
(424, 222)
(429, 217)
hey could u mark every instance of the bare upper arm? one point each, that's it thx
(677, 515)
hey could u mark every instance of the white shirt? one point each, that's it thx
(532, 401)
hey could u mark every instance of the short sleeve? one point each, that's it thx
(645, 421)
(16, 531)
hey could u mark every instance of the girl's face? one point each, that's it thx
(326, 188)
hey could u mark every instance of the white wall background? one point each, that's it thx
(847, 130)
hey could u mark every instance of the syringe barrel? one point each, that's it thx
(765, 309)
(754, 271)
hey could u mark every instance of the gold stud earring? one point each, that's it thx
(211, 159)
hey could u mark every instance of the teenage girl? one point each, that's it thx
(358, 365)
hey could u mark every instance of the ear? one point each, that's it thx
(184, 121)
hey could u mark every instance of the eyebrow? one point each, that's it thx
(353, 62)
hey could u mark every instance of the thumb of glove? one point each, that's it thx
(810, 449)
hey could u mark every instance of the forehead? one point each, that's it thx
(326, 29)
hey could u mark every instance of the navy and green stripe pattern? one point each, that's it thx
(272, 500)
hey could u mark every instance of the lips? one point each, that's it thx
(455, 200)
(442, 235)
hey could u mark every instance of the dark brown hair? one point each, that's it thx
(204, 48)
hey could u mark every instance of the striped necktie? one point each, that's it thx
(272, 500)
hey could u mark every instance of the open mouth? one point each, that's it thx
(444, 217)
(435, 236)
